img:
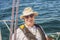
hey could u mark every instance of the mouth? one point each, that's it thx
(30, 20)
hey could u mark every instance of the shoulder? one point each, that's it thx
(19, 29)
(21, 26)
(40, 27)
(37, 25)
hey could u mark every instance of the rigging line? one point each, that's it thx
(16, 20)
(5, 20)
(7, 25)
(12, 19)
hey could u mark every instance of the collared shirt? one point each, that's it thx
(21, 36)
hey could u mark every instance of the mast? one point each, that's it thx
(16, 20)
(12, 20)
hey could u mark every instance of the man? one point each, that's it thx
(29, 30)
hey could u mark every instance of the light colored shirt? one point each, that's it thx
(21, 36)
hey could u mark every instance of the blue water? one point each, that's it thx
(48, 10)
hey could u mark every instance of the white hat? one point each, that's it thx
(28, 11)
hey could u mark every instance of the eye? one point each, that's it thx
(26, 16)
(31, 15)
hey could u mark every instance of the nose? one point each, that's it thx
(29, 17)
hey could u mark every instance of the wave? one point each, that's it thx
(51, 27)
(53, 22)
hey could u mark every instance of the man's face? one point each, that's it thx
(29, 20)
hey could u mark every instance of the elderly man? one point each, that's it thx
(29, 30)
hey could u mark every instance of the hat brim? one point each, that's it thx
(22, 16)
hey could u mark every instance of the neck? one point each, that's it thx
(29, 25)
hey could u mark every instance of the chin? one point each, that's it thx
(30, 23)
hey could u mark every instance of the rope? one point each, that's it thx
(5, 20)
(7, 25)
